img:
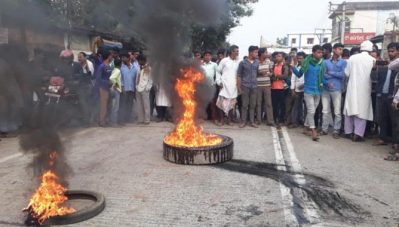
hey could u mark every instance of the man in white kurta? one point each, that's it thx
(226, 78)
(163, 93)
(358, 107)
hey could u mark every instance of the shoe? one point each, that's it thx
(146, 123)
(102, 125)
(253, 125)
(323, 133)
(336, 135)
(242, 125)
(293, 126)
(357, 138)
(348, 136)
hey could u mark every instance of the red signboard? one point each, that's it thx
(357, 38)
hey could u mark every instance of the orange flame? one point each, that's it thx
(187, 133)
(47, 201)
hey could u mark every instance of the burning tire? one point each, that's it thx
(80, 215)
(200, 155)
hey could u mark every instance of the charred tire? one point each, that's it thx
(208, 155)
(80, 215)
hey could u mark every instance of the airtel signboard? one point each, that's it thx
(357, 38)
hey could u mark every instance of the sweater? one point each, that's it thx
(311, 85)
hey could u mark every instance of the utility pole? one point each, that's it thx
(343, 19)
(343, 23)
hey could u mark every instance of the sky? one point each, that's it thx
(272, 19)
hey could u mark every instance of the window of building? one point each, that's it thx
(293, 41)
(325, 40)
(310, 40)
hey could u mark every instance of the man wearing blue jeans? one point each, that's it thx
(312, 68)
(332, 92)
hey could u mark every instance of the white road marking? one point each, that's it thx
(10, 157)
(310, 206)
(290, 218)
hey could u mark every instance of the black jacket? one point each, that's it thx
(382, 72)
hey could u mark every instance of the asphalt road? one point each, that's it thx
(277, 178)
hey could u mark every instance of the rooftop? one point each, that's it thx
(357, 6)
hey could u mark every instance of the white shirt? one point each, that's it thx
(210, 69)
(90, 66)
(396, 98)
(297, 83)
(144, 80)
(394, 65)
(227, 76)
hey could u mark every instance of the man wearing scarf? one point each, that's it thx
(313, 70)
(358, 108)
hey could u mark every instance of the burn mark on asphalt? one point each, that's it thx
(317, 189)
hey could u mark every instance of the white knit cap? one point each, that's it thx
(366, 46)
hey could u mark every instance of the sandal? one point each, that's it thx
(307, 132)
(379, 143)
(391, 158)
(315, 137)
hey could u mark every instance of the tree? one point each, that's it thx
(116, 19)
(214, 37)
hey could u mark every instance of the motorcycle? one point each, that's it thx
(59, 102)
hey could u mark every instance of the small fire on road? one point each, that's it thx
(49, 197)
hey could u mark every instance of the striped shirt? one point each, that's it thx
(264, 80)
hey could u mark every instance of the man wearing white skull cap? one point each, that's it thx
(358, 107)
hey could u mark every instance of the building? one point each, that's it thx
(363, 20)
(308, 40)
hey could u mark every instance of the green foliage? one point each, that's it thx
(214, 37)
(116, 16)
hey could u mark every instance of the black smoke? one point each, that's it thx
(24, 73)
(165, 27)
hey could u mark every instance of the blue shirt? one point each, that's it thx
(248, 72)
(385, 87)
(311, 84)
(334, 74)
(129, 74)
(102, 75)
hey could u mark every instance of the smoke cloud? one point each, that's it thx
(38, 123)
(165, 27)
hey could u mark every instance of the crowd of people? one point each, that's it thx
(348, 93)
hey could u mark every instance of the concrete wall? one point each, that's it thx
(367, 20)
(302, 40)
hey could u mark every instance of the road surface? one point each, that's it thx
(277, 178)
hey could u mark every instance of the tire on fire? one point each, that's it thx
(206, 155)
(83, 214)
